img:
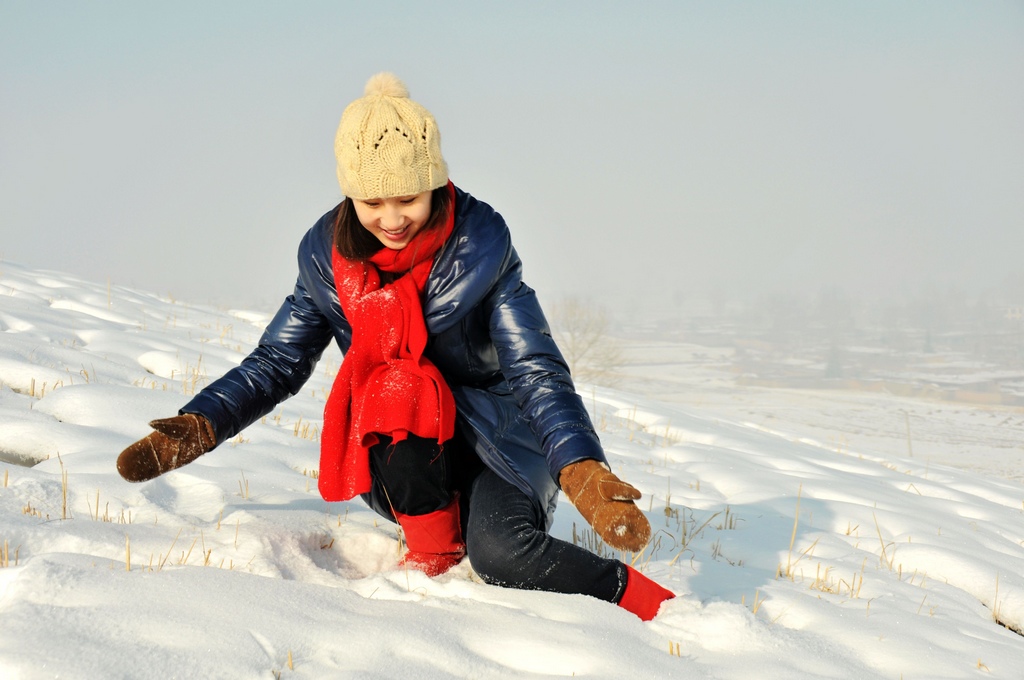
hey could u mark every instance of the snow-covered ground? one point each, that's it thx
(985, 438)
(830, 535)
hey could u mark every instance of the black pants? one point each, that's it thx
(414, 476)
(504, 528)
(508, 546)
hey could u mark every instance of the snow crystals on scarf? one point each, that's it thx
(385, 385)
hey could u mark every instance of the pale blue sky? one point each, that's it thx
(185, 147)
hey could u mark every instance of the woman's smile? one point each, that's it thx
(395, 234)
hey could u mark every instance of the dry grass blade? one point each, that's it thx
(885, 559)
(163, 560)
(796, 520)
(5, 556)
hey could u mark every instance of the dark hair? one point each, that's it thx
(356, 242)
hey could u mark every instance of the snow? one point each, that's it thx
(808, 533)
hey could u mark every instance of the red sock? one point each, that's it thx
(434, 540)
(643, 596)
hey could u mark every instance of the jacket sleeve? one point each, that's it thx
(280, 365)
(537, 373)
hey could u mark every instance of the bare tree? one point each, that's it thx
(581, 331)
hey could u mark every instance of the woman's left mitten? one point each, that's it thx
(176, 441)
(606, 502)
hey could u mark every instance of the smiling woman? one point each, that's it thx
(453, 413)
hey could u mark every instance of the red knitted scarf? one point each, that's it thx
(385, 385)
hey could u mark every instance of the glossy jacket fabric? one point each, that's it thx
(488, 336)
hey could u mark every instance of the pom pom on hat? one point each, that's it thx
(387, 85)
(388, 145)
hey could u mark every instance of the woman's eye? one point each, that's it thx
(407, 201)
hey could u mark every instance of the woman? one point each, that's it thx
(453, 412)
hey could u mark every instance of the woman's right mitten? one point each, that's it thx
(176, 441)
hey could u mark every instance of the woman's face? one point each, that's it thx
(394, 221)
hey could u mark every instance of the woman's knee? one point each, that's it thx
(501, 550)
(412, 476)
(504, 533)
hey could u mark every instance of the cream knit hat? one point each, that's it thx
(387, 144)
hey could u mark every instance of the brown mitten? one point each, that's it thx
(606, 502)
(177, 441)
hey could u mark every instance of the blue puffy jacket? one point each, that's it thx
(487, 334)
